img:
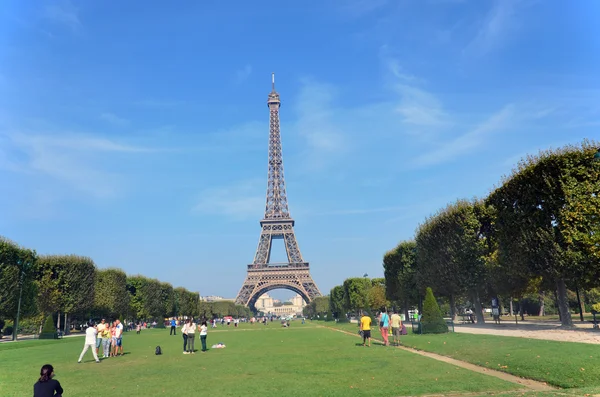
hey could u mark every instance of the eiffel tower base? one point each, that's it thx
(260, 280)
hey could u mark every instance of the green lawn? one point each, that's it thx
(563, 364)
(263, 360)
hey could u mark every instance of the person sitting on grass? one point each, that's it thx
(46, 386)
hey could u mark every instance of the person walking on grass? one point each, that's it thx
(384, 323)
(90, 342)
(396, 322)
(46, 386)
(173, 327)
(365, 327)
(203, 334)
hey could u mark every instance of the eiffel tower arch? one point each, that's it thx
(262, 275)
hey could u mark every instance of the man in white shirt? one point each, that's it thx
(90, 342)
(119, 336)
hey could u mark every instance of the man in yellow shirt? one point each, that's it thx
(396, 321)
(365, 327)
(100, 328)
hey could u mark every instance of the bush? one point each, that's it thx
(7, 331)
(49, 325)
(432, 321)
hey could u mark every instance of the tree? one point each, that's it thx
(451, 253)
(432, 321)
(167, 296)
(17, 271)
(205, 310)
(399, 269)
(318, 306)
(547, 216)
(75, 281)
(187, 301)
(111, 298)
(356, 293)
(376, 295)
(336, 301)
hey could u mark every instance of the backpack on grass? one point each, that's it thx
(158, 351)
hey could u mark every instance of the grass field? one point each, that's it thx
(304, 360)
(563, 364)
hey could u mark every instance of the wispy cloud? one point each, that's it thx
(499, 22)
(238, 201)
(73, 160)
(242, 74)
(468, 141)
(64, 13)
(114, 119)
(315, 110)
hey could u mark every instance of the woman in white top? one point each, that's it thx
(191, 334)
(203, 333)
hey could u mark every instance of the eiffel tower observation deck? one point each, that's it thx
(277, 223)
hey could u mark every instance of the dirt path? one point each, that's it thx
(536, 332)
(528, 383)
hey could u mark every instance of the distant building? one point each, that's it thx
(214, 298)
(267, 304)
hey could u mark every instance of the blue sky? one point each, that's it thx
(136, 132)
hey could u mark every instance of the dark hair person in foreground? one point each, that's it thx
(46, 386)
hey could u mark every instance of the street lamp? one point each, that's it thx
(16, 327)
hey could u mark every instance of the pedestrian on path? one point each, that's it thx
(90, 342)
(46, 386)
(384, 323)
(396, 322)
(365, 328)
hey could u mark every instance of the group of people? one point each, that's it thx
(385, 323)
(107, 335)
(188, 330)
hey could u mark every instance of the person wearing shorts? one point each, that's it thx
(119, 338)
(365, 327)
(396, 322)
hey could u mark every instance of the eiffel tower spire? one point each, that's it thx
(277, 204)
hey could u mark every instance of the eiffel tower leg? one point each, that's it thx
(263, 252)
(291, 247)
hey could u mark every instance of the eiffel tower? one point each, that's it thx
(277, 224)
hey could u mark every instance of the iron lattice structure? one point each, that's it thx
(277, 224)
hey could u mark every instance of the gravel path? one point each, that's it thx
(583, 333)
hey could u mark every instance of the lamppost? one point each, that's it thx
(16, 327)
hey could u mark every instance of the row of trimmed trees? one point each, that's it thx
(69, 287)
(538, 231)
(357, 294)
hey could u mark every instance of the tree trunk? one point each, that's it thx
(563, 304)
(521, 309)
(406, 315)
(66, 330)
(478, 308)
(452, 308)
(581, 306)
(58, 321)
(556, 303)
(541, 298)
(511, 307)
